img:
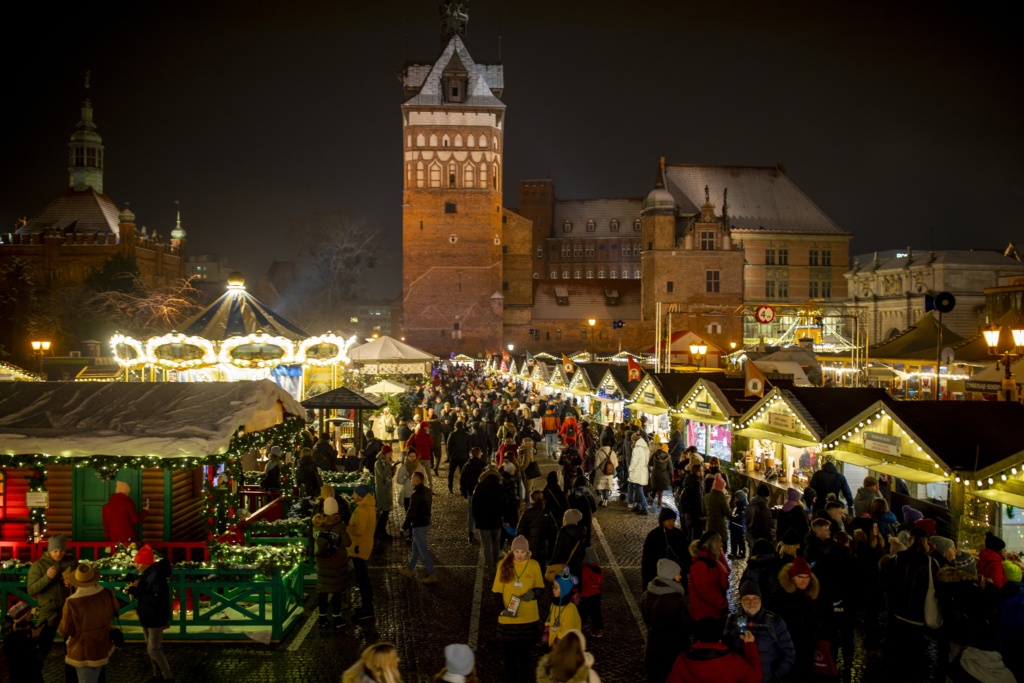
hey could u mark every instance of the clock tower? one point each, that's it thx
(452, 128)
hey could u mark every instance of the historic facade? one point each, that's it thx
(82, 228)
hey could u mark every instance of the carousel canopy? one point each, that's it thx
(163, 419)
(237, 313)
(387, 349)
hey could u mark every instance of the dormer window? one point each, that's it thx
(615, 225)
(591, 226)
(636, 225)
(567, 226)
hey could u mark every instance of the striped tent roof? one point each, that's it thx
(236, 314)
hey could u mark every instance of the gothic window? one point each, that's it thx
(451, 175)
(419, 174)
(567, 226)
(435, 176)
(470, 141)
(591, 226)
(408, 141)
(483, 141)
(536, 276)
(408, 175)
(625, 275)
(590, 250)
(494, 178)
(707, 240)
(826, 257)
(495, 140)
(433, 140)
(469, 178)
(636, 225)
(420, 140)
(826, 289)
(769, 256)
(483, 175)
(458, 140)
(565, 274)
(615, 225)
(554, 274)
(711, 281)
(812, 257)
(445, 141)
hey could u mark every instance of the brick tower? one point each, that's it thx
(452, 125)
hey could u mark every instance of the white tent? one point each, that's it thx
(386, 387)
(161, 419)
(784, 367)
(386, 355)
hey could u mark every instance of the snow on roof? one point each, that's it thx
(161, 419)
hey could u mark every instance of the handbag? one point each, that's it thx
(554, 569)
(116, 634)
(823, 663)
(532, 470)
(932, 612)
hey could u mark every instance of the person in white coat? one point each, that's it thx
(605, 460)
(385, 427)
(639, 474)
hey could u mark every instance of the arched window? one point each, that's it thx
(408, 141)
(451, 174)
(445, 141)
(433, 140)
(591, 226)
(435, 175)
(615, 225)
(483, 175)
(494, 178)
(458, 140)
(625, 275)
(636, 274)
(419, 174)
(554, 274)
(470, 141)
(590, 275)
(483, 141)
(420, 140)
(565, 274)
(536, 276)
(567, 226)
(408, 175)
(579, 275)
(469, 175)
(495, 142)
(600, 275)
(613, 274)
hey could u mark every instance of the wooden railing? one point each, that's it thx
(175, 551)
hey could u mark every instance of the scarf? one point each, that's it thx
(453, 678)
(661, 586)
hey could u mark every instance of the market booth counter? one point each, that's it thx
(183, 443)
(962, 461)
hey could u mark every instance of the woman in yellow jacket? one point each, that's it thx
(519, 581)
(360, 530)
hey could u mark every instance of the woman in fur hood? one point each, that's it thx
(796, 602)
(568, 662)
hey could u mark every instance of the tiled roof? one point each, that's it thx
(73, 211)
(949, 257)
(759, 198)
(480, 94)
(587, 299)
(602, 212)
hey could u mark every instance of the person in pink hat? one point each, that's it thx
(154, 607)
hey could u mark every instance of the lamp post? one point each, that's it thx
(38, 349)
(592, 322)
(698, 351)
(1006, 343)
(510, 347)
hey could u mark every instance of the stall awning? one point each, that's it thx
(910, 474)
(579, 392)
(1004, 497)
(705, 419)
(856, 459)
(752, 433)
(644, 408)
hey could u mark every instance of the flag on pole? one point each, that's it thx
(634, 372)
(529, 359)
(754, 384)
(567, 365)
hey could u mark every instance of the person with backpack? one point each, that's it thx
(605, 463)
(569, 431)
(551, 426)
(572, 466)
(330, 543)
(539, 527)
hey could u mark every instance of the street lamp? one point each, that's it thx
(1007, 343)
(510, 347)
(38, 349)
(592, 322)
(698, 351)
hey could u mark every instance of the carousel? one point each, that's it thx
(236, 338)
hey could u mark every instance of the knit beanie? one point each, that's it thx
(145, 556)
(762, 546)
(665, 515)
(362, 491)
(572, 516)
(750, 588)
(764, 491)
(791, 537)
(695, 459)
(326, 491)
(668, 569)
(57, 542)
(590, 555)
(459, 659)
(793, 495)
(1012, 570)
(942, 544)
(520, 543)
(719, 483)
(799, 566)
(910, 515)
(993, 542)
(741, 496)
(330, 506)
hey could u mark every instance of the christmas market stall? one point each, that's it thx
(617, 385)
(707, 416)
(64, 448)
(657, 394)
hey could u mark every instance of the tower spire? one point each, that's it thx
(85, 149)
(178, 233)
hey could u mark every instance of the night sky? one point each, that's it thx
(902, 121)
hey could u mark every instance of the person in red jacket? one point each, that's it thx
(590, 593)
(710, 661)
(569, 430)
(990, 560)
(421, 442)
(120, 518)
(709, 578)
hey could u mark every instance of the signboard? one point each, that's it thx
(882, 443)
(649, 398)
(764, 314)
(782, 421)
(37, 499)
(703, 408)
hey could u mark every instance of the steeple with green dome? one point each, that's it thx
(85, 151)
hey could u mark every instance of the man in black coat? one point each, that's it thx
(324, 455)
(570, 543)
(154, 607)
(489, 511)
(458, 452)
(828, 480)
(417, 519)
(371, 450)
(664, 541)
(467, 485)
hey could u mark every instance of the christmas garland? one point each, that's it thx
(280, 527)
(347, 479)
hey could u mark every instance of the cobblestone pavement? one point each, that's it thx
(422, 619)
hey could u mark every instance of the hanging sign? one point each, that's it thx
(882, 443)
(37, 499)
(703, 408)
(781, 421)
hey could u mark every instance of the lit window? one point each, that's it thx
(435, 176)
